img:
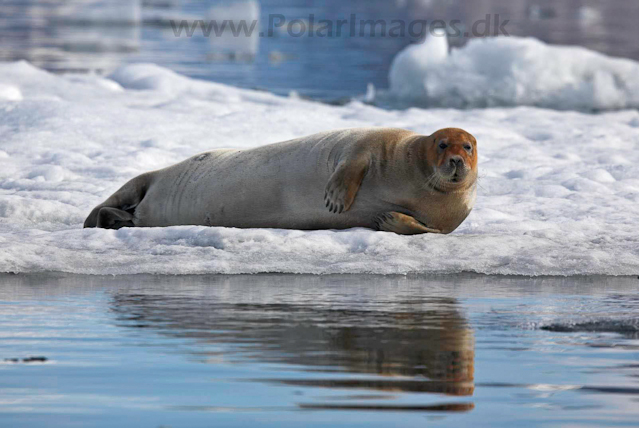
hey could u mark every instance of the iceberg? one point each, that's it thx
(512, 71)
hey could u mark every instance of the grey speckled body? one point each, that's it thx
(284, 185)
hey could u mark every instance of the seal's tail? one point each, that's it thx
(118, 210)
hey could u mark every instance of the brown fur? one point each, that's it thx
(455, 138)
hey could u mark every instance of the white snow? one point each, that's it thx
(559, 191)
(511, 71)
(10, 93)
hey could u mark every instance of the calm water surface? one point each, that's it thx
(52, 35)
(286, 350)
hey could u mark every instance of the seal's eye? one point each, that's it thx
(468, 147)
(443, 145)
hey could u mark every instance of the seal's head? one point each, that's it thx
(452, 158)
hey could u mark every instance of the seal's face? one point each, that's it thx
(452, 154)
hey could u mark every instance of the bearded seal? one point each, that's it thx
(384, 179)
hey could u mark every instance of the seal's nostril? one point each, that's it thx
(456, 162)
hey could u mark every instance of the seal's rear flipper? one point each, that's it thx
(119, 210)
(113, 218)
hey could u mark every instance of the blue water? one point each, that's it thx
(331, 69)
(318, 351)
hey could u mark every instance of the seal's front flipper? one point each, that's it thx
(343, 185)
(402, 224)
(113, 218)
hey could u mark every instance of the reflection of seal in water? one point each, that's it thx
(380, 178)
(421, 344)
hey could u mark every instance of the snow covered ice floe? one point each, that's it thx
(512, 71)
(559, 191)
